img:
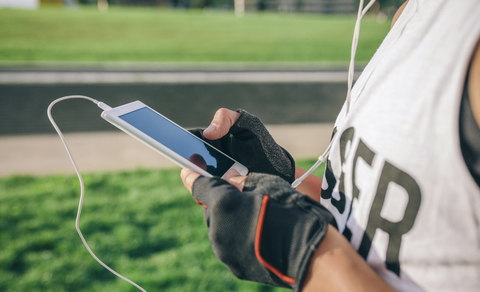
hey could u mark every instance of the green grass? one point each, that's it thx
(143, 223)
(162, 35)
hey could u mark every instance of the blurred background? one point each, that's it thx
(282, 60)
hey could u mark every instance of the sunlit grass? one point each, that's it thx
(165, 35)
(143, 223)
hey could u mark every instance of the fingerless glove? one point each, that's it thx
(268, 233)
(249, 142)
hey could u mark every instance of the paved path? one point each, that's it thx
(167, 77)
(287, 95)
(164, 73)
(108, 151)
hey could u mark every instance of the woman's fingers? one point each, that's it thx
(223, 120)
(234, 178)
(188, 177)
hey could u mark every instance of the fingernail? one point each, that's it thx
(211, 129)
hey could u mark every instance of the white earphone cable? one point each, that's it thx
(82, 186)
(351, 71)
(321, 159)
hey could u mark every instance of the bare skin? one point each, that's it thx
(335, 266)
(398, 13)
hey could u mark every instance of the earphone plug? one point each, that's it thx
(104, 106)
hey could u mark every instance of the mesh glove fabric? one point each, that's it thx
(267, 233)
(249, 143)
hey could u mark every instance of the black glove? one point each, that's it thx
(268, 233)
(249, 143)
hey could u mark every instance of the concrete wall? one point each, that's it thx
(278, 94)
(23, 108)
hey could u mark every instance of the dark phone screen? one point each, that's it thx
(178, 140)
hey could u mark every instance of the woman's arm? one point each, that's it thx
(336, 266)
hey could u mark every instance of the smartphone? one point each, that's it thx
(171, 140)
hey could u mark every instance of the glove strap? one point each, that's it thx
(258, 236)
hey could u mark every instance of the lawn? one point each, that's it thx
(166, 35)
(143, 224)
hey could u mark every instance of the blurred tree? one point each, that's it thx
(316, 6)
(51, 2)
(385, 4)
(87, 1)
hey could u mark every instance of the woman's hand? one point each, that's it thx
(243, 137)
(232, 176)
(222, 121)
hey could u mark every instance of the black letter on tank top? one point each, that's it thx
(331, 181)
(395, 230)
(347, 136)
(329, 176)
(367, 155)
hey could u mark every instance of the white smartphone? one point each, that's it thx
(171, 140)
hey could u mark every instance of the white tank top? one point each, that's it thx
(396, 180)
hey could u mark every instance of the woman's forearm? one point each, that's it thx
(336, 266)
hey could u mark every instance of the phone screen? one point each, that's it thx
(178, 140)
